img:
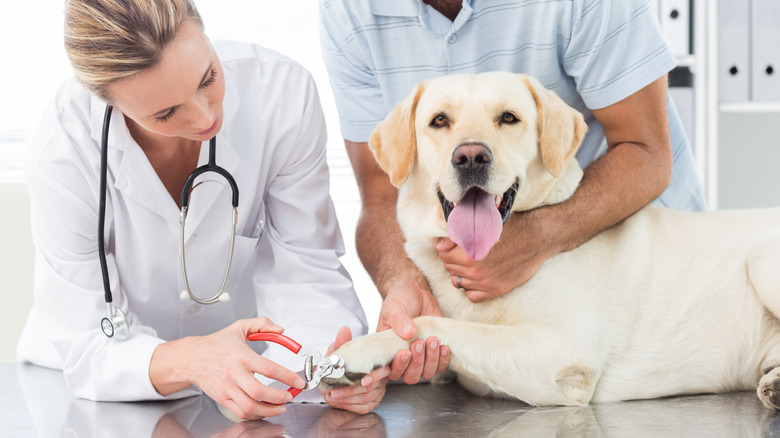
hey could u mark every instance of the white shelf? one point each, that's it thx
(750, 107)
(687, 61)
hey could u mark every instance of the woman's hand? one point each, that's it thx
(223, 366)
(363, 398)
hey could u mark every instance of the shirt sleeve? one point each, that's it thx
(616, 48)
(301, 282)
(63, 330)
(356, 90)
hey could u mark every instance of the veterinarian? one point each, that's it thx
(606, 58)
(172, 91)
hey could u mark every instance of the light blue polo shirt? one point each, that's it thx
(592, 53)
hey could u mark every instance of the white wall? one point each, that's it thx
(16, 266)
(748, 157)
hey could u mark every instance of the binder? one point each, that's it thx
(765, 41)
(733, 50)
(684, 99)
(675, 17)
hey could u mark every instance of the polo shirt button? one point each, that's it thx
(452, 39)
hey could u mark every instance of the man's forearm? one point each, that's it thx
(636, 169)
(379, 240)
(380, 246)
(613, 187)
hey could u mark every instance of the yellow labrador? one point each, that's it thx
(665, 303)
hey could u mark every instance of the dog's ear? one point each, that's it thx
(393, 141)
(561, 127)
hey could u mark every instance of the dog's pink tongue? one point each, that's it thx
(475, 224)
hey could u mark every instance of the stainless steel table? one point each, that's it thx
(34, 402)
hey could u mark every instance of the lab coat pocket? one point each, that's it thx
(244, 256)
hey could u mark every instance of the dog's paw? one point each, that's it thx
(363, 355)
(769, 389)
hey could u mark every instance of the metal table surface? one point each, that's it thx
(34, 402)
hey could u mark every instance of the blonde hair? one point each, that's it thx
(108, 40)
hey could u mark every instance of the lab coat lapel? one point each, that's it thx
(138, 181)
(132, 173)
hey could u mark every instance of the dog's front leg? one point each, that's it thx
(528, 363)
(364, 354)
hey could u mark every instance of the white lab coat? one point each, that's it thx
(273, 143)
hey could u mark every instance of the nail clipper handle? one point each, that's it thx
(276, 338)
(285, 342)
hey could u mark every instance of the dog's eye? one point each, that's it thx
(508, 118)
(440, 121)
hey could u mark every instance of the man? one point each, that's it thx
(606, 58)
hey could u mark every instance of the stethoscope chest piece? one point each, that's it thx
(115, 324)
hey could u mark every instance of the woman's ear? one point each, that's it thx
(561, 128)
(393, 141)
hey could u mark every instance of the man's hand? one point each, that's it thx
(513, 261)
(424, 359)
(363, 398)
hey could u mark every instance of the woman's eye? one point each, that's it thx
(165, 117)
(440, 121)
(509, 118)
(211, 79)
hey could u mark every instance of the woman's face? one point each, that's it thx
(182, 95)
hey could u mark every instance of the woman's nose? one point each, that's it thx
(204, 114)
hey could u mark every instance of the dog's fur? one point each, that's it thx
(666, 302)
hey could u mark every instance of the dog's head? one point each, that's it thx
(485, 145)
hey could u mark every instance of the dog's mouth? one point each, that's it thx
(503, 202)
(476, 220)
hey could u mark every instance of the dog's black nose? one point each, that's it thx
(472, 159)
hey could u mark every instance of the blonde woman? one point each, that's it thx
(172, 90)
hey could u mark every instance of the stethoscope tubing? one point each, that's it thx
(102, 205)
(115, 324)
(211, 166)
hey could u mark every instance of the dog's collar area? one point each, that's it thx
(504, 208)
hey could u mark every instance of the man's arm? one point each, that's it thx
(379, 238)
(636, 169)
(406, 294)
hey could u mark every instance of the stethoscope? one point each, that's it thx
(115, 325)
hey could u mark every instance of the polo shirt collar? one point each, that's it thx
(402, 8)
(416, 8)
(396, 8)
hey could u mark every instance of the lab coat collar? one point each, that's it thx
(135, 177)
